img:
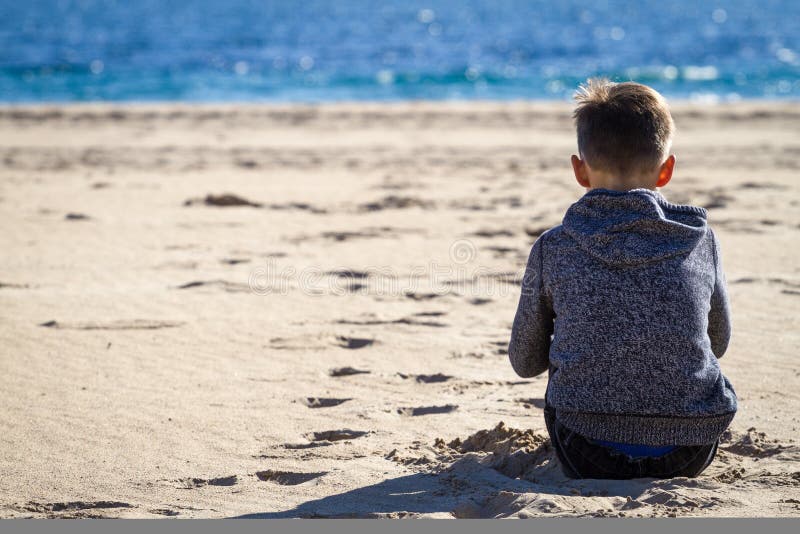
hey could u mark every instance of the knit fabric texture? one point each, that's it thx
(626, 304)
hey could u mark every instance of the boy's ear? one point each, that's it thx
(665, 172)
(579, 167)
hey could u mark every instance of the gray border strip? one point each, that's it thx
(458, 526)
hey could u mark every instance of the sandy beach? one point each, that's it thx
(303, 311)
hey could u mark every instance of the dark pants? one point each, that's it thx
(580, 457)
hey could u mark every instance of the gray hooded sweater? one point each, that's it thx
(625, 303)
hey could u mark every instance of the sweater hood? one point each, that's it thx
(633, 227)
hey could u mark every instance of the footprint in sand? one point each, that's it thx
(422, 296)
(312, 445)
(246, 163)
(190, 483)
(433, 379)
(347, 371)
(427, 379)
(71, 506)
(510, 278)
(760, 185)
(493, 233)
(499, 348)
(320, 342)
(427, 410)
(5, 285)
(225, 200)
(349, 273)
(354, 342)
(717, 200)
(335, 435)
(502, 252)
(135, 324)
(346, 236)
(370, 232)
(532, 402)
(349, 280)
(231, 287)
(288, 478)
(395, 202)
(301, 206)
(323, 402)
(404, 320)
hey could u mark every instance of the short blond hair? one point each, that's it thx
(624, 128)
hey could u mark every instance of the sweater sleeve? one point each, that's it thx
(719, 316)
(533, 323)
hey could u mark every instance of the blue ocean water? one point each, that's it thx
(283, 50)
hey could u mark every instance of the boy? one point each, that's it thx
(631, 289)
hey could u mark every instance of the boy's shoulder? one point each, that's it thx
(549, 235)
(547, 242)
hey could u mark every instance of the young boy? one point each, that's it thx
(631, 289)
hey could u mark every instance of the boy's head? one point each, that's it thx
(624, 136)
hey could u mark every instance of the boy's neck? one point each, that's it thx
(615, 183)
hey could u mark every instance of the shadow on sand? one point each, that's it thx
(465, 485)
(420, 493)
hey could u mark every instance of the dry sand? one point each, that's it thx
(162, 355)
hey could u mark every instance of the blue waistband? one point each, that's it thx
(637, 451)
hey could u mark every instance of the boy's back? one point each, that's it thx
(631, 289)
(630, 280)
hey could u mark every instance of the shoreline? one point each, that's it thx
(680, 103)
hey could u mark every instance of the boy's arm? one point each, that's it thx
(719, 316)
(529, 348)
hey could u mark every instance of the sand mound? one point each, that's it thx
(501, 440)
(536, 486)
(753, 443)
(514, 453)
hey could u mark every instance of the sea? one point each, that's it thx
(359, 50)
